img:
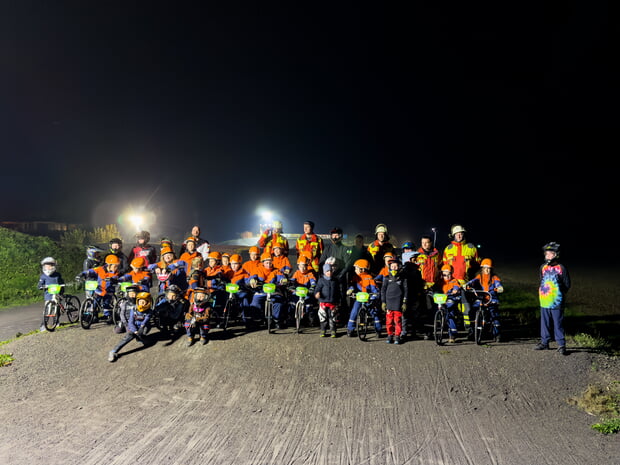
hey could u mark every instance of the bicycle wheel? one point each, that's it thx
(50, 315)
(87, 312)
(299, 314)
(269, 314)
(439, 326)
(228, 308)
(72, 308)
(479, 326)
(361, 323)
(116, 311)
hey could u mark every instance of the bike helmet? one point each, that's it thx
(336, 230)
(486, 262)
(93, 252)
(362, 263)
(112, 260)
(191, 239)
(48, 261)
(277, 225)
(138, 262)
(407, 245)
(254, 249)
(388, 256)
(165, 242)
(215, 256)
(447, 267)
(303, 260)
(133, 288)
(166, 250)
(116, 240)
(266, 256)
(553, 247)
(174, 288)
(149, 301)
(235, 258)
(144, 235)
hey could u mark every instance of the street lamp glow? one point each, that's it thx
(136, 221)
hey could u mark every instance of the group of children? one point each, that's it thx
(189, 292)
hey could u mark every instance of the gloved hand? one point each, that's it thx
(384, 306)
(284, 281)
(403, 306)
(349, 291)
(78, 278)
(500, 289)
(253, 282)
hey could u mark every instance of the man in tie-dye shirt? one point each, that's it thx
(554, 284)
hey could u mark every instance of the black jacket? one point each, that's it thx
(394, 290)
(329, 290)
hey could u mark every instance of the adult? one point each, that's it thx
(554, 284)
(378, 248)
(339, 256)
(143, 249)
(116, 248)
(202, 245)
(272, 237)
(310, 244)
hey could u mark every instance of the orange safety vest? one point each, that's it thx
(460, 255)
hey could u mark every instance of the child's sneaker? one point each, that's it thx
(333, 334)
(323, 333)
(203, 340)
(397, 340)
(190, 341)
(390, 339)
(42, 328)
(112, 356)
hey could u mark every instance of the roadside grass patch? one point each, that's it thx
(6, 359)
(602, 401)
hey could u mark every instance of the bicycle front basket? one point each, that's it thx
(91, 285)
(54, 288)
(232, 288)
(269, 288)
(362, 296)
(440, 298)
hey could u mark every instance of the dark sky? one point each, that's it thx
(499, 118)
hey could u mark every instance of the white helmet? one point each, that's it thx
(456, 228)
(381, 228)
(48, 261)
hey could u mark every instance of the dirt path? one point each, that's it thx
(255, 398)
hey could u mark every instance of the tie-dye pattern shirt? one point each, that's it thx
(554, 285)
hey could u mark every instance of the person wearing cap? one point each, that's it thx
(311, 244)
(328, 293)
(49, 275)
(272, 237)
(107, 279)
(554, 285)
(378, 248)
(394, 300)
(190, 252)
(143, 249)
(281, 261)
(487, 280)
(253, 263)
(138, 275)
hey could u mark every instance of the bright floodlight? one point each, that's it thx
(136, 221)
(267, 216)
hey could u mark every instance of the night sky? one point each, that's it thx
(497, 118)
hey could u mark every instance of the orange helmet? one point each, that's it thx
(303, 259)
(254, 249)
(447, 267)
(138, 262)
(112, 260)
(487, 262)
(149, 301)
(362, 263)
(166, 250)
(225, 254)
(215, 255)
(236, 258)
(265, 256)
(387, 255)
(191, 239)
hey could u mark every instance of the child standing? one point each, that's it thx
(394, 300)
(328, 294)
(49, 275)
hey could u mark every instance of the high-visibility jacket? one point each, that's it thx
(307, 279)
(314, 245)
(100, 274)
(377, 250)
(142, 278)
(462, 256)
(268, 240)
(364, 282)
(251, 266)
(282, 263)
(429, 264)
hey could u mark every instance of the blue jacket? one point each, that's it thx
(54, 278)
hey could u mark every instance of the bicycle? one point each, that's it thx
(90, 308)
(118, 301)
(440, 321)
(67, 304)
(483, 323)
(268, 289)
(301, 305)
(365, 316)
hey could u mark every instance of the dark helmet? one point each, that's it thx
(407, 245)
(174, 288)
(144, 235)
(336, 230)
(553, 247)
(93, 252)
(116, 240)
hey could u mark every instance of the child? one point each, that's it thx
(107, 278)
(126, 307)
(487, 281)
(554, 284)
(197, 316)
(328, 294)
(138, 325)
(304, 276)
(362, 282)
(452, 288)
(394, 297)
(138, 275)
(49, 275)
